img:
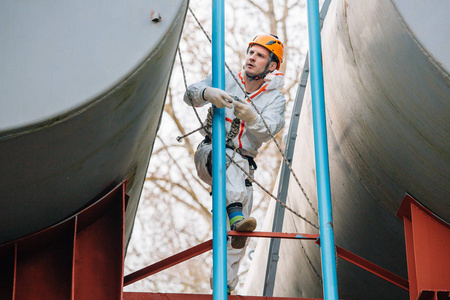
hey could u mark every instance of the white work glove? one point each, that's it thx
(217, 97)
(244, 111)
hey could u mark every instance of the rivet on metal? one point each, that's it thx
(155, 16)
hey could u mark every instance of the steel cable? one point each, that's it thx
(268, 130)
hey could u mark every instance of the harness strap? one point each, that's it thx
(251, 160)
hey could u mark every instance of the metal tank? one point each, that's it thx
(82, 89)
(387, 94)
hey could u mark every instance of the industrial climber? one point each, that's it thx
(260, 80)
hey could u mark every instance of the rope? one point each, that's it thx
(271, 195)
(267, 128)
(189, 95)
(279, 147)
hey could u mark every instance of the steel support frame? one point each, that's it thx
(427, 240)
(206, 246)
(427, 244)
(168, 262)
(372, 268)
(161, 296)
(79, 258)
(202, 248)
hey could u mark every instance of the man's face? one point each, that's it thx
(256, 61)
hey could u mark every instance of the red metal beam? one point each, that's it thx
(262, 234)
(79, 258)
(199, 249)
(427, 239)
(44, 264)
(99, 248)
(341, 252)
(168, 262)
(8, 263)
(202, 248)
(372, 268)
(159, 296)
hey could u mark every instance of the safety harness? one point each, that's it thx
(251, 161)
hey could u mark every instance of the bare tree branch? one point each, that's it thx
(201, 210)
(191, 193)
(169, 109)
(182, 172)
(264, 11)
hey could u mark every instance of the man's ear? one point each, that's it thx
(272, 66)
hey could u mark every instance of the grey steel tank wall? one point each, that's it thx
(59, 56)
(54, 169)
(387, 104)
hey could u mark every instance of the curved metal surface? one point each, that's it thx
(388, 132)
(88, 137)
(59, 55)
(427, 20)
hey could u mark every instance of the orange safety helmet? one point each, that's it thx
(271, 43)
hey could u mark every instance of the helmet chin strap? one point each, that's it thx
(263, 74)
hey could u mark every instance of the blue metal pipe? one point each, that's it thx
(330, 287)
(218, 156)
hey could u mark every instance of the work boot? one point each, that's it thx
(244, 225)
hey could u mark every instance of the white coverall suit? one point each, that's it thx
(271, 104)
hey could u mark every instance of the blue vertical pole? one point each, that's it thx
(218, 156)
(330, 287)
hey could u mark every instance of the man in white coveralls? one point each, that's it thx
(260, 80)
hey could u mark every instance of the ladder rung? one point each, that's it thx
(160, 296)
(282, 235)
